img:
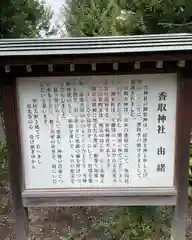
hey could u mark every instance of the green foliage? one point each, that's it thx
(91, 18)
(122, 17)
(5, 196)
(25, 18)
(3, 161)
(119, 223)
(159, 16)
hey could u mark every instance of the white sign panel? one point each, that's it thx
(98, 131)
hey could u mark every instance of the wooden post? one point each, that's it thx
(184, 121)
(14, 157)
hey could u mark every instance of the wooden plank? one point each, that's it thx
(14, 157)
(184, 121)
(127, 192)
(100, 201)
(86, 69)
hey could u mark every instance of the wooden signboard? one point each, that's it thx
(97, 130)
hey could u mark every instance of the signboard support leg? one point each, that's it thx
(14, 158)
(182, 154)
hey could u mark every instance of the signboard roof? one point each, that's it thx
(96, 45)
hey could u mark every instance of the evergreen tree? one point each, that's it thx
(25, 18)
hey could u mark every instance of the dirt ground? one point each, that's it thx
(72, 223)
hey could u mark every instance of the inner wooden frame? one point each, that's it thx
(96, 191)
(137, 196)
